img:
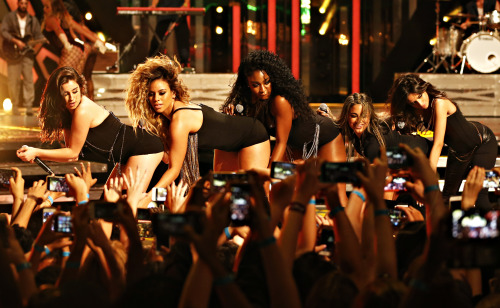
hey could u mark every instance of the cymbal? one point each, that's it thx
(461, 15)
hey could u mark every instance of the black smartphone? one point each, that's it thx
(102, 210)
(281, 170)
(397, 217)
(144, 224)
(397, 158)
(397, 184)
(341, 172)
(239, 209)
(159, 194)
(326, 236)
(63, 224)
(475, 224)
(166, 224)
(219, 179)
(5, 175)
(57, 183)
(491, 180)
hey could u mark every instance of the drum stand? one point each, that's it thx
(435, 59)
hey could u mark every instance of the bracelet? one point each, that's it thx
(47, 250)
(224, 280)
(88, 196)
(382, 212)
(23, 266)
(228, 234)
(431, 188)
(73, 264)
(298, 207)
(359, 194)
(66, 253)
(83, 202)
(266, 242)
(38, 248)
(51, 200)
(335, 211)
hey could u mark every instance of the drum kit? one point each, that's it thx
(480, 51)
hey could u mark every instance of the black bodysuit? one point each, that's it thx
(227, 133)
(114, 142)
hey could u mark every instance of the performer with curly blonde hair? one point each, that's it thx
(157, 95)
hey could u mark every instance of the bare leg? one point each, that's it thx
(334, 151)
(149, 162)
(255, 156)
(225, 161)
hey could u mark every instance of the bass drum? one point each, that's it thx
(482, 50)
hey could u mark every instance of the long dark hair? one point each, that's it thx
(402, 112)
(282, 83)
(54, 117)
(367, 111)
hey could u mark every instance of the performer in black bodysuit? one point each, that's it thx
(90, 131)
(266, 89)
(364, 131)
(421, 106)
(158, 96)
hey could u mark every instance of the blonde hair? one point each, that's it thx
(137, 101)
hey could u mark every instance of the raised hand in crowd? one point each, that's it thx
(113, 189)
(473, 185)
(135, 195)
(16, 188)
(36, 195)
(176, 197)
(86, 175)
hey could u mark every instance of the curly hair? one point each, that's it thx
(367, 111)
(137, 101)
(401, 110)
(282, 81)
(54, 117)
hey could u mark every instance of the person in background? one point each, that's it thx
(19, 31)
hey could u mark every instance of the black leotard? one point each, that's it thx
(369, 147)
(228, 133)
(113, 142)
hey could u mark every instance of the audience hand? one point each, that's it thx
(77, 187)
(412, 213)
(16, 184)
(176, 197)
(473, 185)
(114, 192)
(86, 174)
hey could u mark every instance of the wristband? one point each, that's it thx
(224, 280)
(38, 248)
(83, 202)
(23, 266)
(66, 253)
(228, 234)
(298, 207)
(266, 242)
(431, 188)
(359, 194)
(382, 212)
(335, 211)
(88, 196)
(73, 264)
(47, 250)
(51, 200)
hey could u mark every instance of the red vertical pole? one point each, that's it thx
(356, 41)
(296, 38)
(236, 36)
(271, 25)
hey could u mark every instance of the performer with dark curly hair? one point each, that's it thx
(266, 89)
(420, 106)
(90, 131)
(157, 95)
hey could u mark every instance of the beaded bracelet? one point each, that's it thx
(382, 212)
(224, 280)
(23, 266)
(335, 211)
(266, 242)
(359, 194)
(298, 207)
(38, 248)
(51, 200)
(431, 188)
(228, 234)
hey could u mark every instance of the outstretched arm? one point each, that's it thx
(440, 117)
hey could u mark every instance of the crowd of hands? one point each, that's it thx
(263, 265)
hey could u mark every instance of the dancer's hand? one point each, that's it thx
(26, 153)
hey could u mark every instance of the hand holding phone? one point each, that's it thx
(281, 170)
(57, 183)
(491, 180)
(159, 194)
(341, 172)
(239, 209)
(397, 158)
(63, 224)
(5, 175)
(397, 184)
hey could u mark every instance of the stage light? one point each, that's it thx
(219, 9)
(324, 6)
(446, 18)
(101, 90)
(343, 40)
(218, 30)
(323, 28)
(88, 16)
(433, 41)
(251, 27)
(7, 105)
(101, 36)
